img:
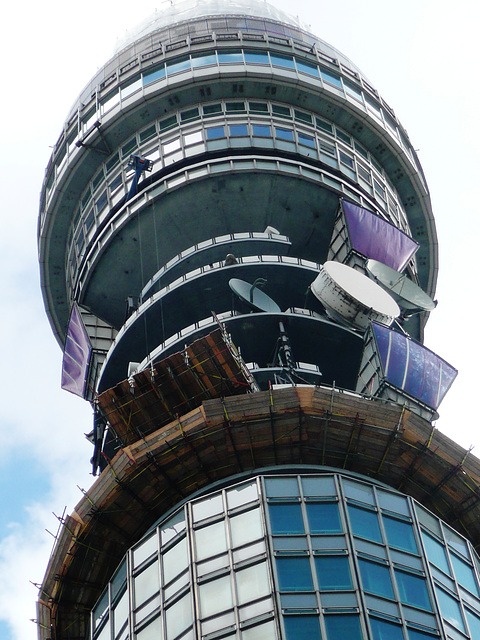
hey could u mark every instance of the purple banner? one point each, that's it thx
(76, 355)
(376, 238)
(412, 367)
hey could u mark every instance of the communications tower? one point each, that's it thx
(238, 257)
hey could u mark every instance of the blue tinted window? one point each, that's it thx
(179, 65)
(323, 517)
(261, 130)
(332, 78)
(238, 130)
(464, 574)
(230, 56)
(282, 61)
(415, 634)
(256, 56)
(153, 76)
(306, 140)
(286, 518)
(302, 628)
(284, 134)
(310, 69)
(364, 523)
(376, 578)
(383, 630)
(435, 552)
(413, 590)
(343, 627)
(282, 487)
(215, 132)
(333, 573)
(473, 623)
(294, 574)
(400, 534)
(204, 59)
(450, 609)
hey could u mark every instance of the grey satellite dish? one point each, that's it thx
(250, 294)
(408, 294)
(351, 297)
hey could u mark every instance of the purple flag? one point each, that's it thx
(376, 238)
(76, 355)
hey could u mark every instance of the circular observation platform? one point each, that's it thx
(192, 105)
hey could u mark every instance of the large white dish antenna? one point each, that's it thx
(352, 297)
(408, 294)
(253, 296)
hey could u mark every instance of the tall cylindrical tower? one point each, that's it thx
(238, 257)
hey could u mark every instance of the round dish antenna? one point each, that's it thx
(350, 296)
(408, 294)
(252, 295)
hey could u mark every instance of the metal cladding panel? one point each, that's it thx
(76, 355)
(376, 238)
(412, 367)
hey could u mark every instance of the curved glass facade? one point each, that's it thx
(318, 556)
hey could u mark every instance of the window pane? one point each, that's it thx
(376, 578)
(256, 56)
(455, 541)
(261, 130)
(207, 508)
(175, 560)
(383, 630)
(215, 132)
(252, 583)
(238, 130)
(333, 573)
(294, 574)
(310, 69)
(146, 583)
(281, 487)
(357, 490)
(204, 59)
(400, 534)
(436, 552)
(215, 596)
(473, 623)
(151, 632)
(283, 134)
(230, 56)
(343, 628)
(302, 628)
(413, 590)
(331, 77)
(286, 518)
(153, 76)
(464, 574)
(246, 527)
(364, 523)
(449, 608)
(282, 61)
(415, 634)
(323, 517)
(178, 617)
(242, 495)
(173, 527)
(306, 140)
(264, 631)
(176, 67)
(324, 486)
(210, 541)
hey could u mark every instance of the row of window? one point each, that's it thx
(238, 56)
(214, 553)
(245, 134)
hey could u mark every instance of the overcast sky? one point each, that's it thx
(423, 58)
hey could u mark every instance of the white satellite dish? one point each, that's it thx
(352, 297)
(253, 296)
(408, 294)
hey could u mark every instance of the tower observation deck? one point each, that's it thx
(238, 257)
